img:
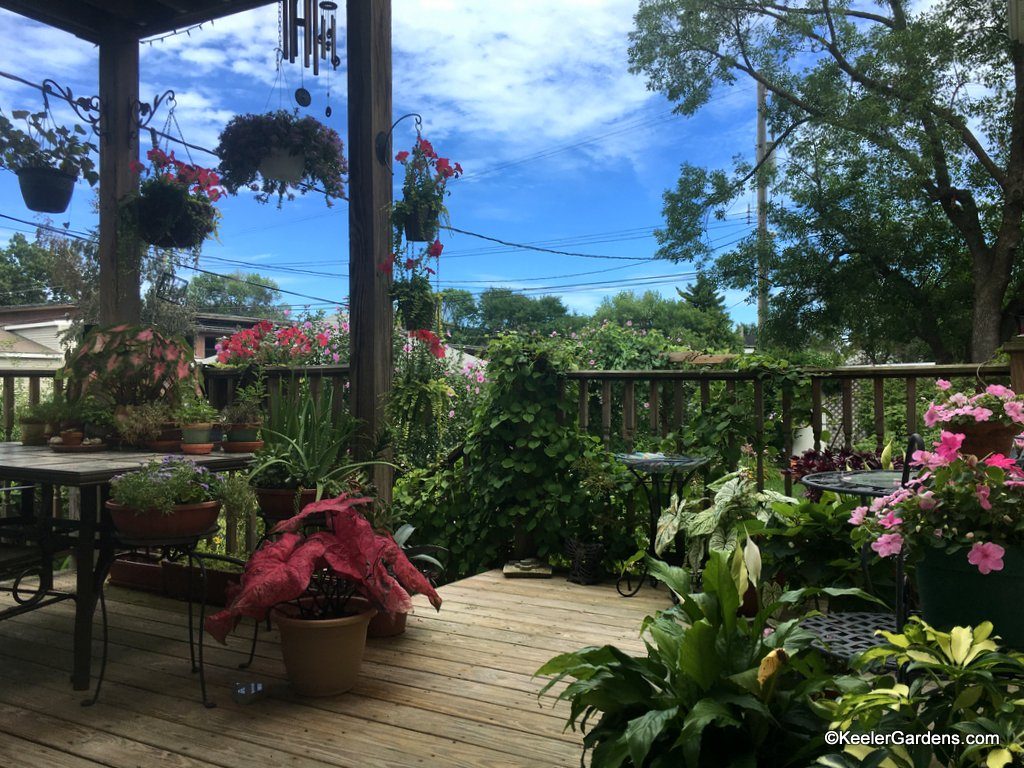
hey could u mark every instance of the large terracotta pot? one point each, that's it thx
(986, 437)
(33, 433)
(185, 521)
(955, 593)
(279, 503)
(322, 656)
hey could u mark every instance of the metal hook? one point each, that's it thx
(382, 143)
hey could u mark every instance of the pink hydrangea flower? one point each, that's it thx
(888, 544)
(943, 384)
(987, 557)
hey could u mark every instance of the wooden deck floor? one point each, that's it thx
(455, 690)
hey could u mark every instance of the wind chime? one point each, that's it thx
(319, 26)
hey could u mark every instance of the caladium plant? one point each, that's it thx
(349, 550)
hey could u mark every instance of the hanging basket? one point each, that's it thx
(46, 190)
(987, 437)
(420, 224)
(167, 216)
(282, 165)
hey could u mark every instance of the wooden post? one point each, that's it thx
(119, 144)
(1015, 348)
(368, 40)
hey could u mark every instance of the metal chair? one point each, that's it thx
(844, 635)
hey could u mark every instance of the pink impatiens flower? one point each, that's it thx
(857, 516)
(1015, 410)
(943, 384)
(987, 557)
(982, 492)
(998, 460)
(948, 446)
(889, 520)
(888, 544)
(998, 390)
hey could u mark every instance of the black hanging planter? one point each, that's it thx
(46, 190)
(420, 225)
(168, 217)
(415, 302)
(585, 557)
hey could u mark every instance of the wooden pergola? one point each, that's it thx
(116, 27)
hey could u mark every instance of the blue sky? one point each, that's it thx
(562, 147)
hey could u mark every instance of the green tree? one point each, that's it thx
(702, 294)
(676, 320)
(502, 309)
(892, 85)
(460, 315)
(239, 293)
(24, 276)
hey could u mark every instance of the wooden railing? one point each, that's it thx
(221, 383)
(608, 403)
(23, 379)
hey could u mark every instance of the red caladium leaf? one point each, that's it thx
(349, 549)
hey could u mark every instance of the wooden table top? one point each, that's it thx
(43, 465)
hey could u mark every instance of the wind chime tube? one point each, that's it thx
(295, 29)
(314, 32)
(286, 27)
(334, 40)
(307, 43)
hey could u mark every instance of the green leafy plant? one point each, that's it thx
(307, 445)
(959, 683)
(247, 406)
(141, 423)
(194, 409)
(247, 139)
(45, 412)
(424, 189)
(714, 689)
(43, 146)
(735, 510)
(159, 485)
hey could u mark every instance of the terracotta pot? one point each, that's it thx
(986, 437)
(196, 449)
(144, 575)
(185, 521)
(33, 433)
(46, 190)
(176, 576)
(165, 446)
(322, 656)
(72, 437)
(279, 503)
(239, 447)
(383, 624)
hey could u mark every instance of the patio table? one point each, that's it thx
(91, 474)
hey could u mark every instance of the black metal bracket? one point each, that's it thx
(86, 108)
(382, 143)
(143, 112)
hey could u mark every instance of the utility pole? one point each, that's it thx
(762, 153)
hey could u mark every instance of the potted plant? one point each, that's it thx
(961, 522)
(150, 425)
(196, 417)
(286, 152)
(51, 412)
(174, 205)
(988, 420)
(243, 418)
(32, 421)
(307, 581)
(165, 499)
(97, 414)
(48, 160)
(306, 451)
(414, 298)
(418, 213)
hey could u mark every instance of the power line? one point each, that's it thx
(526, 247)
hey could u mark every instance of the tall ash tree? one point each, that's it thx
(903, 134)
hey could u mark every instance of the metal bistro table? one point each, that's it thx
(846, 634)
(91, 474)
(676, 470)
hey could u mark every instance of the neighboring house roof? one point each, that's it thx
(18, 344)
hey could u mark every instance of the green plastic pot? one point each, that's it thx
(196, 433)
(242, 433)
(954, 593)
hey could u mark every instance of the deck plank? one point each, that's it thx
(456, 690)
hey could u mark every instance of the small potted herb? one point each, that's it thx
(97, 414)
(277, 153)
(169, 498)
(48, 160)
(196, 417)
(151, 425)
(243, 418)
